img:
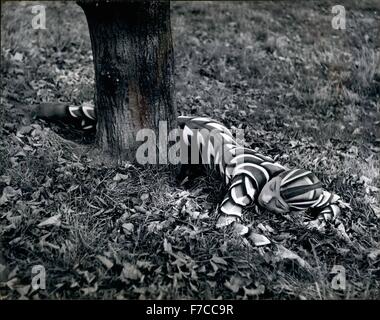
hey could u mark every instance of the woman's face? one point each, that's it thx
(270, 197)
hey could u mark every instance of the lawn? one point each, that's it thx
(306, 94)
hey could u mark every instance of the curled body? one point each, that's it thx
(252, 178)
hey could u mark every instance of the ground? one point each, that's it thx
(305, 94)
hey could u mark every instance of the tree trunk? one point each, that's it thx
(134, 64)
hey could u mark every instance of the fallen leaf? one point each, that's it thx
(140, 209)
(365, 180)
(107, 262)
(5, 179)
(23, 290)
(87, 275)
(8, 194)
(376, 210)
(90, 290)
(341, 230)
(167, 246)
(59, 285)
(52, 221)
(120, 177)
(193, 214)
(11, 284)
(17, 57)
(15, 219)
(254, 292)
(130, 272)
(316, 225)
(193, 287)
(240, 229)
(261, 227)
(144, 196)
(235, 283)
(218, 260)
(25, 130)
(128, 228)
(258, 239)
(145, 264)
(72, 188)
(286, 254)
(374, 254)
(27, 148)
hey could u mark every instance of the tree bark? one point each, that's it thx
(134, 64)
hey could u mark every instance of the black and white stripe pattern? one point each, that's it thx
(245, 171)
(84, 114)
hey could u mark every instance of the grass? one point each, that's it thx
(305, 94)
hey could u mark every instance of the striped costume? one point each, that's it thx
(246, 172)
